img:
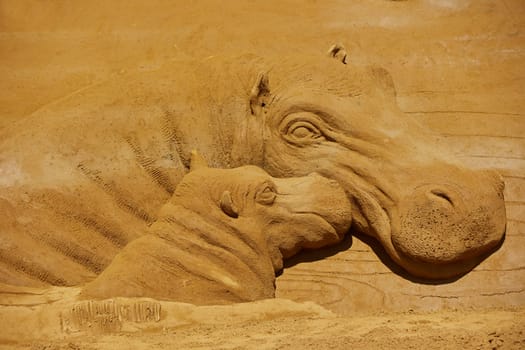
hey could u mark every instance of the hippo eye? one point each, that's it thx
(266, 196)
(304, 130)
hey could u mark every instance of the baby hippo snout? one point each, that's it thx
(330, 201)
(318, 210)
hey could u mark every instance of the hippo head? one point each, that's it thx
(433, 216)
(288, 214)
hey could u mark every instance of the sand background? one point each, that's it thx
(459, 67)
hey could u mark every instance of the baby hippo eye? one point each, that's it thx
(266, 196)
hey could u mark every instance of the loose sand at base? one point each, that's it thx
(442, 330)
(56, 319)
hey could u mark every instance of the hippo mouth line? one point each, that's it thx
(377, 218)
(369, 216)
(331, 228)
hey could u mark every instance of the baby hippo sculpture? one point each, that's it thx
(223, 234)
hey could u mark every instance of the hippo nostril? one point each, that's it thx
(442, 195)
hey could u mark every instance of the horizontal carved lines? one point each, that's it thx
(493, 157)
(467, 112)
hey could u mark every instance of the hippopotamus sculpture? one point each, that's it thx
(94, 168)
(223, 235)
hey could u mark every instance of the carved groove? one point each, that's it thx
(116, 238)
(158, 175)
(121, 199)
(30, 269)
(76, 253)
(169, 131)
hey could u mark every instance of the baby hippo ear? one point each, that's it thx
(197, 161)
(227, 205)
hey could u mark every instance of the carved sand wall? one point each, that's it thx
(462, 78)
(458, 67)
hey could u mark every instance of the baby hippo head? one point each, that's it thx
(281, 215)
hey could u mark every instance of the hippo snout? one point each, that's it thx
(448, 223)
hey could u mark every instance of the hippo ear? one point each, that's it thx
(197, 161)
(338, 52)
(227, 205)
(260, 94)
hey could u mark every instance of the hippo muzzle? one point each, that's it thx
(445, 228)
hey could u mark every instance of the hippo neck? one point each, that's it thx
(227, 142)
(247, 271)
(217, 122)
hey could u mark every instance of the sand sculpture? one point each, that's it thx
(223, 235)
(87, 175)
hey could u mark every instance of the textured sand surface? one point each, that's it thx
(56, 321)
(459, 66)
